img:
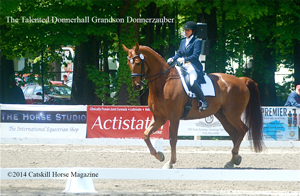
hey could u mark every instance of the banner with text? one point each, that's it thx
(209, 126)
(43, 121)
(121, 122)
(280, 123)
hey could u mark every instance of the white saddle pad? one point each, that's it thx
(207, 88)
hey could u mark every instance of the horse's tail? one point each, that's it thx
(253, 115)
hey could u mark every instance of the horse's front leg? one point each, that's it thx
(154, 125)
(173, 141)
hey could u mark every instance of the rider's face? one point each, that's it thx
(188, 32)
(298, 91)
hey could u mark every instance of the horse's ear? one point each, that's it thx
(137, 48)
(125, 48)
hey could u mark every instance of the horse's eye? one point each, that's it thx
(138, 64)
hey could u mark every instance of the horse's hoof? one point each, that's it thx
(238, 161)
(161, 156)
(229, 165)
(167, 166)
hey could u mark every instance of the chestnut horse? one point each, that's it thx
(167, 99)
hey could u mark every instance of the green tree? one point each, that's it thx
(264, 32)
(128, 35)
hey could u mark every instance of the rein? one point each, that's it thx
(159, 74)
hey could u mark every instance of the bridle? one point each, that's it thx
(142, 74)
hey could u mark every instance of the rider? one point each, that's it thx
(188, 54)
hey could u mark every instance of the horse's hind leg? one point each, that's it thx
(154, 125)
(236, 131)
(241, 131)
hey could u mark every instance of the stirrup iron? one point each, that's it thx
(203, 106)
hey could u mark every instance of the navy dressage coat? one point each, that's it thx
(191, 53)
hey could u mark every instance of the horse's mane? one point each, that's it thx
(150, 50)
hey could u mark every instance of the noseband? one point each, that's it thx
(142, 74)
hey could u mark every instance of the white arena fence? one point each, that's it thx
(149, 174)
(80, 180)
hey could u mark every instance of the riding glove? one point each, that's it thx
(170, 60)
(180, 60)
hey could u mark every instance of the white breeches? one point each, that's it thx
(192, 73)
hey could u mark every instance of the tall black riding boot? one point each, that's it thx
(196, 88)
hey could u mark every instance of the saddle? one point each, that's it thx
(207, 88)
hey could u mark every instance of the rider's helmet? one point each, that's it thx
(190, 25)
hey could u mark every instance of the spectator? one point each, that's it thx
(65, 79)
(294, 98)
(17, 95)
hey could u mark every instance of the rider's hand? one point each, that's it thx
(180, 60)
(170, 60)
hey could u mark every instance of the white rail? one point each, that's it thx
(150, 174)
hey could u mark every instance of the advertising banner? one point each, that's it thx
(43, 121)
(298, 112)
(121, 122)
(209, 126)
(280, 123)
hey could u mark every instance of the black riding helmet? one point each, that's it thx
(190, 25)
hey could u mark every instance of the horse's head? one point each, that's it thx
(137, 66)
